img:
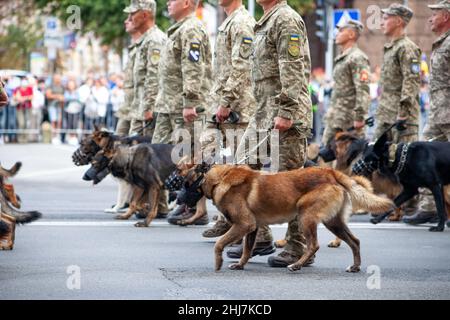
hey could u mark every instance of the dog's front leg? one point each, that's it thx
(249, 243)
(200, 212)
(236, 232)
(137, 195)
(438, 193)
(153, 195)
(404, 196)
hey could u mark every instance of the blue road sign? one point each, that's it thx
(343, 15)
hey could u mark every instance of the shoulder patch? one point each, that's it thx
(247, 40)
(364, 75)
(294, 45)
(155, 56)
(194, 52)
(246, 47)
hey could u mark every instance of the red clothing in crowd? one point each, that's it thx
(26, 92)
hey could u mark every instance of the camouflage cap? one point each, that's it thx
(354, 24)
(137, 5)
(400, 10)
(444, 4)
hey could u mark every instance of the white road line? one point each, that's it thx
(47, 172)
(81, 223)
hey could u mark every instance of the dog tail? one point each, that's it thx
(20, 216)
(362, 196)
(11, 172)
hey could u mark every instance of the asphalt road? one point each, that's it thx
(78, 252)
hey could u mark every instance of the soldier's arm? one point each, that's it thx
(242, 46)
(361, 73)
(410, 65)
(151, 79)
(193, 65)
(290, 40)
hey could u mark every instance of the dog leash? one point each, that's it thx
(295, 125)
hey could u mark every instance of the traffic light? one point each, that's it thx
(321, 23)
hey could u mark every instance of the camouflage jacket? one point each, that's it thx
(400, 82)
(232, 65)
(145, 71)
(185, 67)
(351, 97)
(128, 85)
(281, 68)
(440, 80)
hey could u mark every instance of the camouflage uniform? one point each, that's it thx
(124, 123)
(400, 83)
(145, 72)
(232, 75)
(350, 98)
(185, 76)
(280, 71)
(438, 126)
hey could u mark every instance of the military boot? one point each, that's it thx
(260, 249)
(284, 259)
(219, 229)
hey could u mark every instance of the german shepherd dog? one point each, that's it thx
(415, 165)
(9, 203)
(250, 199)
(144, 166)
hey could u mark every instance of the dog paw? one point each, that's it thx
(140, 225)
(219, 263)
(436, 229)
(293, 267)
(334, 244)
(236, 266)
(353, 269)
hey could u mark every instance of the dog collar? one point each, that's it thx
(403, 156)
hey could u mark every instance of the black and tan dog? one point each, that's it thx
(414, 165)
(9, 203)
(250, 199)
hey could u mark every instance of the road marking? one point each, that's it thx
(48, 172)
(81, 223)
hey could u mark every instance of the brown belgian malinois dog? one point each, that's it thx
(9, 203)
(250, 199)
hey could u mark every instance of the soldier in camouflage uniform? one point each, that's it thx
(350, 98)
(232, 88)
(438, 126)
(400, 77)
(124, 123)
(185, 80)
(281, 69)
(145, 69)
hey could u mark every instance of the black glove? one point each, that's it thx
(400, 125)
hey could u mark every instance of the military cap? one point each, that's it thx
(400, 10)
(354, 24)
(137, 5)
(444, 4)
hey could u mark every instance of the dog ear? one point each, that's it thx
(380, 145)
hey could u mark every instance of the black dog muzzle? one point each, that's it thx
(363, 168)
(191, 194)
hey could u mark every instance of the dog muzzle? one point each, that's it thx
(363, 168)
(79, 158)
(174, 182)
(190, 195)
(327, 154)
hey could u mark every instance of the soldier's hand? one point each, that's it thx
(189, 114)
(358, 124)
(282, 124)
(223, 114)
(148, 116)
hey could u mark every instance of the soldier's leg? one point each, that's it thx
(163, 129)
(137, 127)
(123, 127)
(292, 156)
